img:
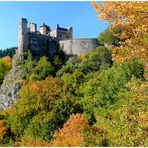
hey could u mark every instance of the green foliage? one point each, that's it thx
(127, 124)
(111, 100)
(45, 123)
(43, 107)
(101, 91)
(58, 59)
(42, 69)
(109, 37)
(5, 66)
(87, 63)
(69, 66)
(95, 136)
(37, 70)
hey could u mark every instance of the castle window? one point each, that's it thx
(60, 35)
(67, 36)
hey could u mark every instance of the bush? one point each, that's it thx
(5, 66)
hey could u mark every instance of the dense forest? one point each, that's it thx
(96, 99)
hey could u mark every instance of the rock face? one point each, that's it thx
(11, 85)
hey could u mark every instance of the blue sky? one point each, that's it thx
(79, 15)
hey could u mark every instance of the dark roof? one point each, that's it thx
(44, 25)
(62, 29)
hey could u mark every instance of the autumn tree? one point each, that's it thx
(5, 66)
(35, 97)
(131, 18)
(77, 132)
(2, 130)
(71, 133)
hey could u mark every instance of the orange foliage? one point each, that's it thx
(47, 88)
(2, 129)
(131, 18)
(38, 93)
(71, 133)
(7, 59)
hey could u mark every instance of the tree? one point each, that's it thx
(107, 37)
(35, 97)
(71, 133)
(5, 66)
(43, 107)
(131, 18)
(42, 69)
(2, 130)
(8, 52)
(77, 132)
(128, 117)
(101, 90)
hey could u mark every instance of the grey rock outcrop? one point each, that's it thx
(11, 85)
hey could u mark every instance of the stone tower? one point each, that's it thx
(33, 27)
(44, 29)
(70, 30)
(23, 38)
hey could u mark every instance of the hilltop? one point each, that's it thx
(68, 96)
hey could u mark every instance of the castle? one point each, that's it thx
(42, 42)
(46, 41)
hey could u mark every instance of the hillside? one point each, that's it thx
(98, 98)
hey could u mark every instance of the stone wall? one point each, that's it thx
(42, 45)
(65, 35)
(78, 46)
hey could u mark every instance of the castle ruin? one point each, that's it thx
(45, 41)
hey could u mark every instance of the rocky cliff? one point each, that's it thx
(11, 84)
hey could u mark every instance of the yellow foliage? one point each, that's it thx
(132, 19)
(32, 143)
(7, 59)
